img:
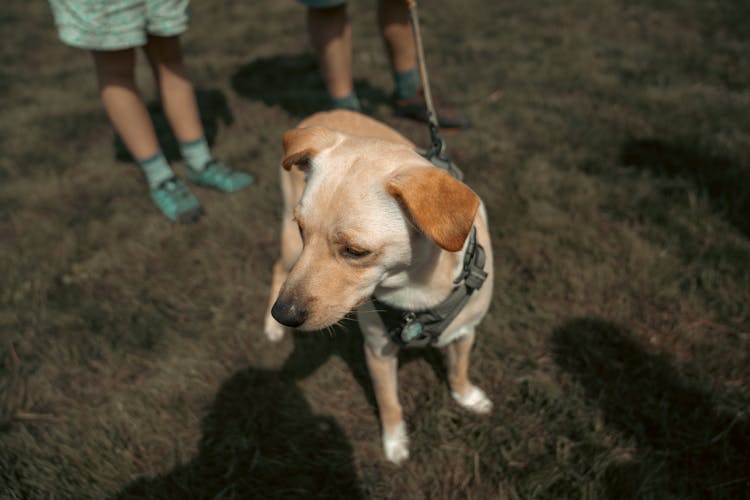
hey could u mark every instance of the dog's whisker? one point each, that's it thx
(340, 323)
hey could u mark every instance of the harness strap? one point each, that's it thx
(419, 328)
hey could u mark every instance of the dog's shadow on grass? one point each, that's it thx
(346, 342)
(214, 111)
(293, 82)
(260, 438)
(687, 445)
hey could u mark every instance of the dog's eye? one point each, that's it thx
(354, 252)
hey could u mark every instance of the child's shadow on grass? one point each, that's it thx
(261, 440)
(293, 82)
(724, 180)
(213, 109)
(687, 446)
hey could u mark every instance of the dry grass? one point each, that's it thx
(611, 149)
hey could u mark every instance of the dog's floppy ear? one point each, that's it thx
(301, 144)
(441, 207)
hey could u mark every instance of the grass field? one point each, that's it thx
(612, 148)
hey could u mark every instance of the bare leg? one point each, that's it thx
(175, 88)
(395, 26)
(398, 35)
(115, 71)
(331, 38)
(179, 103)
(383, 374)
(464, 392)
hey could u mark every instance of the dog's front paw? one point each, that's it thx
(396, 444)
(474, 400)
(274, 330)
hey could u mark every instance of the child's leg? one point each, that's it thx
(115, 71)
(331, 37)
(179, 103)
(398, 35)
(395, 26)
(175, 88)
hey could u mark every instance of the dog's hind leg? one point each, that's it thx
(383, 374)
(463, 391)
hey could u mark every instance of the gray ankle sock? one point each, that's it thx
(350, 102)
(196, 153)
(407, 83)
(156, 169)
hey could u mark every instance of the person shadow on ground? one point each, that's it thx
(261, 440)
(723, 179)
(293, 82)
(688, 446)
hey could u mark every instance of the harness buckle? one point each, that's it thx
(412, 328)
(475, 278)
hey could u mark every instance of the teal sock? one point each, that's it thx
(407, 83)
(350, 102)
(196, 153)
(156, 169)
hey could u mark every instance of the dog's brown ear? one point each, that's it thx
(441, 207)
(301, 144)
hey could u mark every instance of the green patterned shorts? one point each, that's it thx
(117, 24)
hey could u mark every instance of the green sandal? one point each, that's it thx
(218, 176)
(176, 201)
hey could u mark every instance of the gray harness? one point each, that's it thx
(420, 328)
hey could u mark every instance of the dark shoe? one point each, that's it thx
(416, 109)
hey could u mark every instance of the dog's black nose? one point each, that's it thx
(289, 313)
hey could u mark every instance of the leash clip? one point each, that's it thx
(438, 157)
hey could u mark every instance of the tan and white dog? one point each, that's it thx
(366, 216)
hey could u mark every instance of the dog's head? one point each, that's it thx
(370, 208)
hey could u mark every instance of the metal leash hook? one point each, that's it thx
(437, 154)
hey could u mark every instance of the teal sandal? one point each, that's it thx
(218, 176)
(176, 201)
